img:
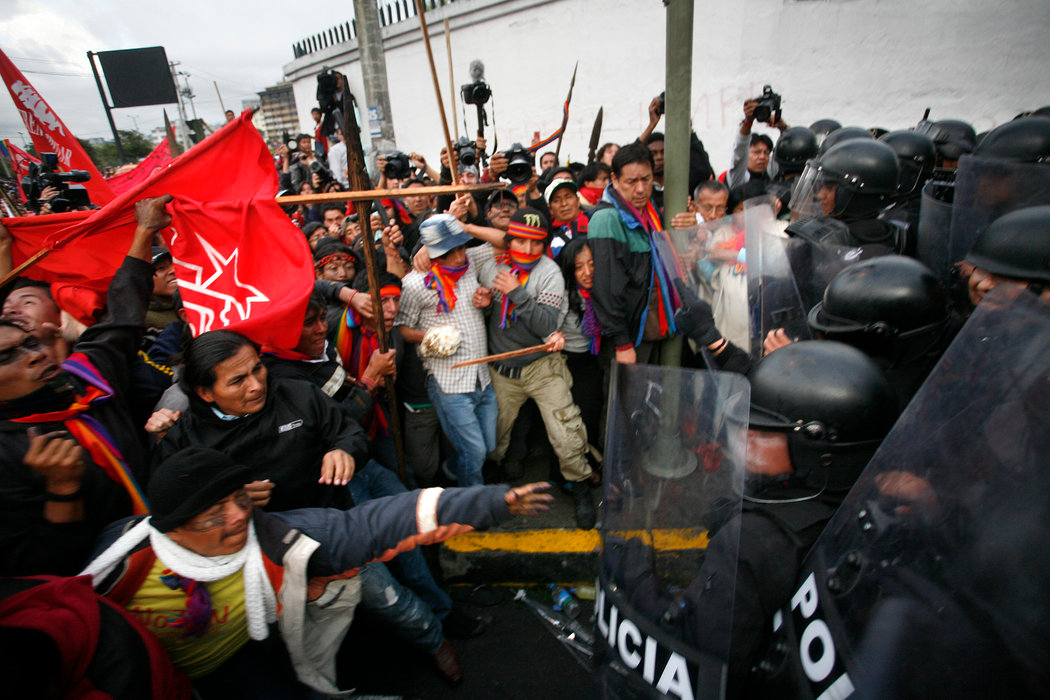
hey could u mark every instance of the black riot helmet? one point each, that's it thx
(846, 133)
(890, 297)
(794, 147)
(833, 402)
(952, 137)
(916, 155)
(1016, 245)
(852, 181)
(822, 127)
(1022, 140)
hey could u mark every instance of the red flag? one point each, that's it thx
(20, 161)
(158, 157)
(48, 132)
(240, 261)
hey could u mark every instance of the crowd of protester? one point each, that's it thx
(560, 271)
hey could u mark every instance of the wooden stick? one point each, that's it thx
(364, 195)
(437, 92)
(37, 257)
(358, 176)
(502, 356)
(451, 79)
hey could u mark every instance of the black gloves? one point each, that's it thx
(694, 317)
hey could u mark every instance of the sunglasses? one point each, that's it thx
(241, 499)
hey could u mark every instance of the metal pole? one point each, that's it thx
(184, 136)
(373, 70)
(679, 78)
(109, 112)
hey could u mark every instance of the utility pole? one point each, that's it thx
(184, 132)
(678, 83)
(373, 70)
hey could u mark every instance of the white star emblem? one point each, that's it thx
(237, 297)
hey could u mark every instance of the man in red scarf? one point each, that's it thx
(72, 455)
(445, 303)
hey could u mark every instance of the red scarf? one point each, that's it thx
(592, 194)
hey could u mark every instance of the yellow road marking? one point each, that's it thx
(570, 541)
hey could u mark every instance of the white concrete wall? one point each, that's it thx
(863, 62)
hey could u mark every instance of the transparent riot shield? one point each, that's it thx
(814, 265)
(987, 188)
(933, 578)
(673, 484)
(935, 222)
(710, 257)
(772, 291)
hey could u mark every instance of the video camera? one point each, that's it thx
(520, 163)
(466, 151)
(329, 84)
(46, 174)
(768, 105)
(398, 166)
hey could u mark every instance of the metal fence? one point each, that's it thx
(390, 12)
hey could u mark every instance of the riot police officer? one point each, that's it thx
(819, 410)
(896, 311)
(852, 182)
(916, 156)
(1014, 249)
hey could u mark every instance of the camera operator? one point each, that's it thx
(751, 152)
(302, 161)
(48, 191)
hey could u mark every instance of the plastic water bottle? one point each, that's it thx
(564, 602)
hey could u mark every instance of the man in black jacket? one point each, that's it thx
(71, 454)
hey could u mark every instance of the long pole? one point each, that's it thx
(679, 72)
(451, 79)
(222, 106)
(437, 91)
(384, 194)
(358, 175)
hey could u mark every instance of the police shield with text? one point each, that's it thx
(931, 579)
(673, 477)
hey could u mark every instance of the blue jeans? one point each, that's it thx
(469, 421)
(394, 605)
(410, 568)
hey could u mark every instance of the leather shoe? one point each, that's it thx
(446, 661)
(583, 505)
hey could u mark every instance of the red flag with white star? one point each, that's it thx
(49, 133)
(240, 262)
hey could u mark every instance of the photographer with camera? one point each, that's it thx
(302, 161)
(48, 190)
(751, 152)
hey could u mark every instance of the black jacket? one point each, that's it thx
(29, 544)
(284, 442)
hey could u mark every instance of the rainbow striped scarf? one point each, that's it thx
(91, 434)
(520, 266)
(443, 280)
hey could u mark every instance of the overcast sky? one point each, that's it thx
(241, 45)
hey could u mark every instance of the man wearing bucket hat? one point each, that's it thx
(447, 300)
(209, 575)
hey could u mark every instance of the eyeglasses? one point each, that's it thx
(241, 499)
(712, 208)
(27, 346)
(503, 206)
